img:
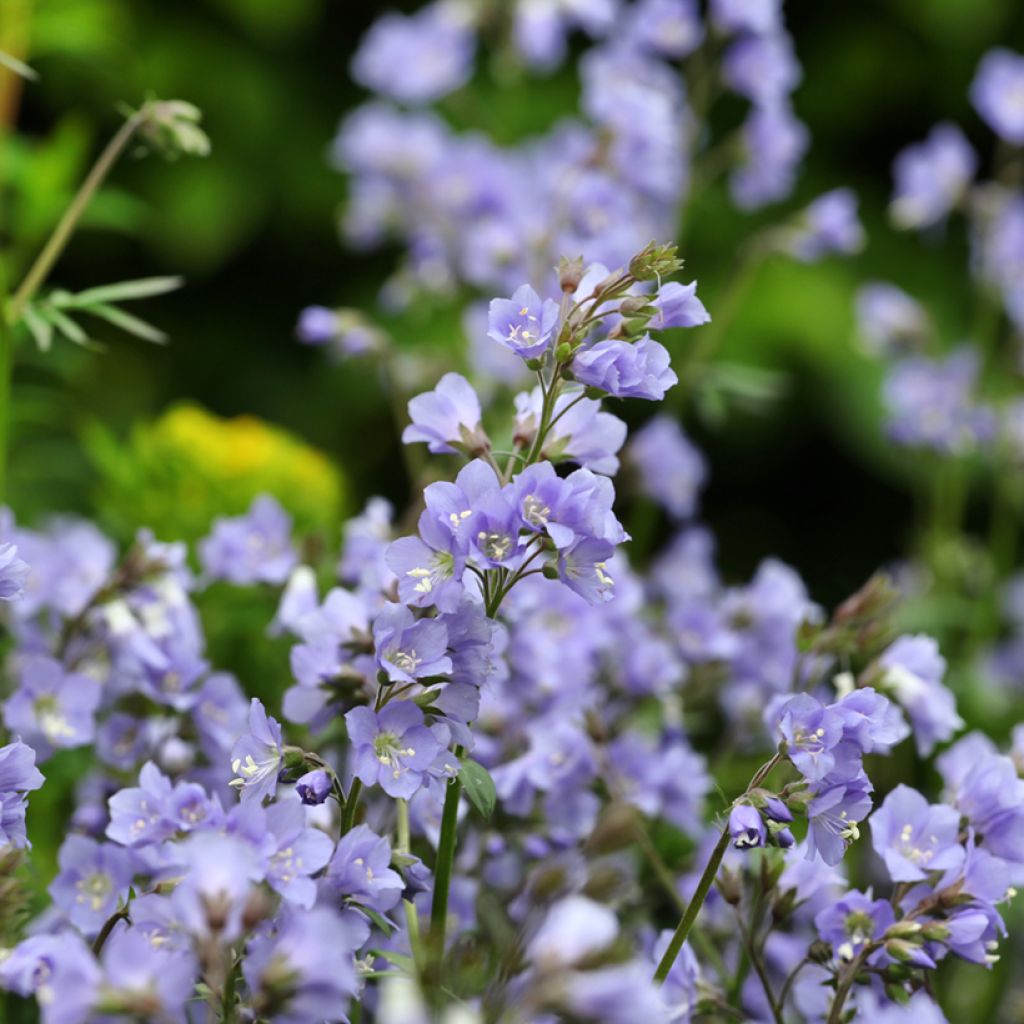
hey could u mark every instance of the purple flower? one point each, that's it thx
(763, 68)
(392, 747)
(59, 970)
(93, 879)
(254, 548)
(997, 93)
(18, 775)
(774, 143)
(851, 923)
(52, 708)
(889, 319)
(828, 225)
(834, 814)
(218, 875)
(139, 973)
(317, 325)
(670, 467)
(677, 305)
(360, 869)
(746, 828)
(523, 323)
(13, 573)
(583, 568)
(409, 649)
(417, 58)
(314, 787)
(812, 732)
(671, 28)
(914, 837)
(304, 968)
(932, 177)
(257, 756)
(626, 370)
(429, 567)
(294, 852)
(448, 418)
(757, 16)
(931, 403)
(913, 671)
(576, 927)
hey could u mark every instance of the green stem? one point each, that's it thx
(65, 228)
(348, 819)
(705, 883)
(402, 845)
(845, 982)
(6, 373)
(443, 867)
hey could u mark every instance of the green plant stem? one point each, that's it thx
(443, 867)
(705, 883)
(402, 845)
(348, 819)
(847, 976)
(6, 373)
(65, 228)
(759, 969)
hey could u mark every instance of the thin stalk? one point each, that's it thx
(847, 976)
(65, 228)
(759, 969)
(443, 870)
(704, 885)
(6, 373)
(402, 845)
(348, 819)
(787, 985)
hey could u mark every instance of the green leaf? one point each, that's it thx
(143, 288)
(398, 959)
(479, 786)
(66, 326)
(127, 322)
(40, 328)
(378, 919)
(18, 67)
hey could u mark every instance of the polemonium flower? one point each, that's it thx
(757, 16)
(584, 568)
(139, 974)
(997, 93)
(931, 403)
(360, 869)
(829, 225)
(523, 323)
(889, 319)
(671, 28)
(317, 325)
(914, 837)
(254, 548)
(576, 927)
(852, 922)
(294, 852)
(931, 177)
(774, 143)
(314, 787)
(834, 815)
(304, 969)
(392, 747)
(677, 305)
(257, 756)
(139, 815)
(13, 573)
(746, 828)
(52, 708)
(429, 567)
(417, 58)
(671, 469)
(812, 732)
(763, 68)
(448, 418)
(408, 648)
(18, 775)
(626, 370)
(580, 431)
(92, 881)
(60, 971)
(913, 671)
(219, 873)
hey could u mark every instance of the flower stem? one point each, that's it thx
(443, 867)
(402, 845)
(65, 228)
(845, 982)
(348, 819)
(705, 883)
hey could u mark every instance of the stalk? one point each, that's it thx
(704, 885)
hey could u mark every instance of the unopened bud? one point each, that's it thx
(616, 829)
(550, 571)
(570, 273)
(904, 930)
(654, 261)
(935, 931)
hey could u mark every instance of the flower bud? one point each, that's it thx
(570, 273)
(935, 931)
(904, 930)
(654, 261)
(314, 787)
(616, 829)
(908, 953)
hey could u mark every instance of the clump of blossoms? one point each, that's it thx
(493, 725)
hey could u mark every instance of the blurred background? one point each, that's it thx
(253, 229)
